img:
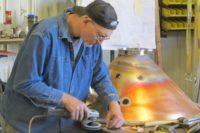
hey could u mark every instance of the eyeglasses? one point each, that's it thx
(99, 35)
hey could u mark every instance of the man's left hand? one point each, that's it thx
(114, 118)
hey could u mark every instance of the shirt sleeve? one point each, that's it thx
(102, 83)
(28, 78)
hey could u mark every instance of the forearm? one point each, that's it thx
(102, 83)
(114, 106)
(39, 93)
(28, 76)
(106, 93)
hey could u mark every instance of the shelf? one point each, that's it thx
(175, 12)
(6, 53)
(175, 25)
(176, 2)
(9, 40)
(177, 29)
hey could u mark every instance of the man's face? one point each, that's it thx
(93, 33)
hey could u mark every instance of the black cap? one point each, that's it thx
(100, 12)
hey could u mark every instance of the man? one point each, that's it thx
(60, 59)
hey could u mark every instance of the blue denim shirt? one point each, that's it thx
(45, 69)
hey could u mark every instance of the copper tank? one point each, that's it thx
(146, 92)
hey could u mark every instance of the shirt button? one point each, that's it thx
(71, 89)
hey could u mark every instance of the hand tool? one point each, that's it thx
(90, 123)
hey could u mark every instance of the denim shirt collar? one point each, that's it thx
(63, 28)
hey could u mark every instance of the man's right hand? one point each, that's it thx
(78, 109)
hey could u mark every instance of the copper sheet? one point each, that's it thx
(146, 92)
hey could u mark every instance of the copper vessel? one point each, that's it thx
(146, 92)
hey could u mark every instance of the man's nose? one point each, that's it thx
(100, 41)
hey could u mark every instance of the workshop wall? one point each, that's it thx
(174, 62)
(41, 8)
(21, 8)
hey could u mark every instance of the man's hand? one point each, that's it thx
(114, 118)
(78, 109)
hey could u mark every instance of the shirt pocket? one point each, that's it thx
(55, 72)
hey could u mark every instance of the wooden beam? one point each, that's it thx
(8, 40)
(158, 53)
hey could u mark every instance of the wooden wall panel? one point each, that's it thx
(174, 61)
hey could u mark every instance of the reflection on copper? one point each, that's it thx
(146, 92)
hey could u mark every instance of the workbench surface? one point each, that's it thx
(75, 127)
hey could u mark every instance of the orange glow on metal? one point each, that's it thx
(146, 92)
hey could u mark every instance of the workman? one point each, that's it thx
(60, 59)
